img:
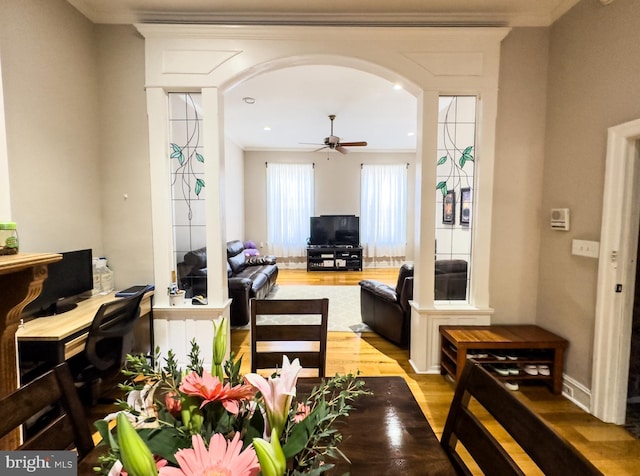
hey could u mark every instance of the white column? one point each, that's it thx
(217, 287)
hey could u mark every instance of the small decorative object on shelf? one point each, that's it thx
(193, 421)
(176, 296)
(8, 238)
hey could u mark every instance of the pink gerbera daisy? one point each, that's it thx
(223, 458)
(212, 390)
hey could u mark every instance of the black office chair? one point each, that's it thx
(110, 339)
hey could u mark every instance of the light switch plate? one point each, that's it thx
(590, 249)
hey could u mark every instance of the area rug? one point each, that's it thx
(344, 306)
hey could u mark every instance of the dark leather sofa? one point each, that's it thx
(386, 309)
(248, 277)
(450, 280)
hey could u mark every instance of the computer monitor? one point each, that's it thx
(67, 280)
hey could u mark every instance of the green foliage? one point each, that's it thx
(185, 169)
(309, 442)
(306, 444)
(466, 156)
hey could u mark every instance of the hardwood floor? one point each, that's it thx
(611, 448)
(302, 277)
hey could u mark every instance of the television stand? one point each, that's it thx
(334, 258)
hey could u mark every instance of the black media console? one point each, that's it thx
(334, 258)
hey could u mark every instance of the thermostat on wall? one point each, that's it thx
(560, 219)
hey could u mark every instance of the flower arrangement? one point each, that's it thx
(193, 422)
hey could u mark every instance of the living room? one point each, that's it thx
(77, 154)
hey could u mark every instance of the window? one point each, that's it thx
(383, 210)
(187, 183)
(454, 196)
(290, 206)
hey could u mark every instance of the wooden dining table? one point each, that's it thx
(386, 433)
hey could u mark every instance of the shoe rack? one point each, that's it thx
(537, 353)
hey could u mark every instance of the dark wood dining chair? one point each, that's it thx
(62, 423)
(468, 425)
(111, 337)
(307, 342)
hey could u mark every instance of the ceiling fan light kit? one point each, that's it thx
(333, 142)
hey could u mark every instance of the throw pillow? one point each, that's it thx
(259, 260)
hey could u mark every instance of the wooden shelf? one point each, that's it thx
(331, 258)
(532, 345)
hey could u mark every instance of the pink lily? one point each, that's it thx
(277, 392)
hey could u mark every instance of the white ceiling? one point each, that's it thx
(295, 102)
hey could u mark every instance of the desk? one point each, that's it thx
(54, 339)
(385, 434)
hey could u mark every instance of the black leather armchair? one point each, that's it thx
(385, 309)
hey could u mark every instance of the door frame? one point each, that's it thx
(617, 265)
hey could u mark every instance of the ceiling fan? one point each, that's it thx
(333, 142)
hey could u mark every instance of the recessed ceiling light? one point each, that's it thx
(249, 100)
(397, 87)
(411, 134)
(267, 128)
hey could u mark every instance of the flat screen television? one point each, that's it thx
(67, 279)
(335, 230)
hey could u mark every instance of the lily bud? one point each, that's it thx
(191, 414)
(219, 347)
(270, 456)
(134, 453)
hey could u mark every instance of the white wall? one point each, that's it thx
(337, 185)
(125, 187)
(594, 83)
(234, 192)
(5, 195)
(517, 186)
(51, 96)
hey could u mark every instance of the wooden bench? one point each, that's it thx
(547, 449)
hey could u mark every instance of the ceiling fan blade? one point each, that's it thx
(342, 150)
(353, 144)
(321, 148)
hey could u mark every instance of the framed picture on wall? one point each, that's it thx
(465, 206)
(449, 207)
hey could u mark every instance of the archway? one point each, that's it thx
(210, 58)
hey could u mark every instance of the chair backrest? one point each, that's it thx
(111, 335)
(274, 338)
(406, 271)
(53, 395)
(469, 426)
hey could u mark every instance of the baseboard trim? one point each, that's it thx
(577, 393)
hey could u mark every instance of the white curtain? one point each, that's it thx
(289, 207)
(383, 210)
